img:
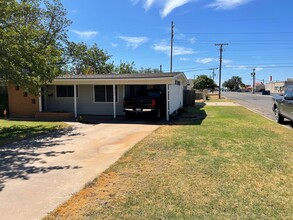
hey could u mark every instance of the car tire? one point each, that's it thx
(128, 115)
(157, 114)
(278, 117)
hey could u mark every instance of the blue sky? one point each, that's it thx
(259, 34)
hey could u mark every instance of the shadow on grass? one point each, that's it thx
(18, 160)
(191, 116)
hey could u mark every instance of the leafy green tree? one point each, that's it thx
(149, 70)
(82, 59)
(204, 82)
(125, 68)
(32, 41)
(234, 83)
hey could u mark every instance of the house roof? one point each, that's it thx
(135, 78)
(120, 76)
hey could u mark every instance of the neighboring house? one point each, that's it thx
(259, 87)
(190, 84)
(93, 94)
(278, 87)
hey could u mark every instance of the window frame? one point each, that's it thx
(67, 97)
(105, 94)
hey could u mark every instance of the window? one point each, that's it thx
(289, 93)
(65, 91)
(104, 93)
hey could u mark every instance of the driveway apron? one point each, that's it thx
(37, 175)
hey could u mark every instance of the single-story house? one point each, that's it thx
(93, 94)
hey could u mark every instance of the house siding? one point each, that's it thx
(56, 104)
(176, 97)
(85, 102)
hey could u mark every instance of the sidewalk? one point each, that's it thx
(222, 104)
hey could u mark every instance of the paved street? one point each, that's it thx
(261, 104)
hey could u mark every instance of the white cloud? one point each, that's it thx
(167, 5)
(114, 45)
(170, 5)
(134, 1)
(85, 35)
(259, 68)
(73, 11)
(134, 42)
(226, 61)
(227, 4)
(165, 48)
(183, 59)
(206, 60)
(240, 67)
(243, 67)
(148, 4)
(192, 40)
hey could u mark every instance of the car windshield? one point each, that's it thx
(148, 93)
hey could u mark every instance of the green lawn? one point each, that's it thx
(16, 130)
(234, 164)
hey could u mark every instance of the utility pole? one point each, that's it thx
(253, 80)
(160, 68)
(220, 68)
(172, 39)
(213, 69)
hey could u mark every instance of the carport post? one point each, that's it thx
(114, 100)
(75, 101)
(40, 100)
(167, 102)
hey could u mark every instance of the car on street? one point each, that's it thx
(283, 105)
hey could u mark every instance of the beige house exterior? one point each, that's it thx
(278, 87)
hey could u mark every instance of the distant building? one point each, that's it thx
(259, 86)
(190, 84)
(278, 87)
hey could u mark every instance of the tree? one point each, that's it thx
(234, 83)
(203, 82)
(125, 68)
(32, 39)
(82, 59)
(149, 70)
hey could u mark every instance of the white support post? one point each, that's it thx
(75, 100)
(114, 101)
(40, 100)
(167, 102)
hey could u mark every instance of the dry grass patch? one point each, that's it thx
(232, 165)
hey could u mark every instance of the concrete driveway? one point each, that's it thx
(37, 175)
